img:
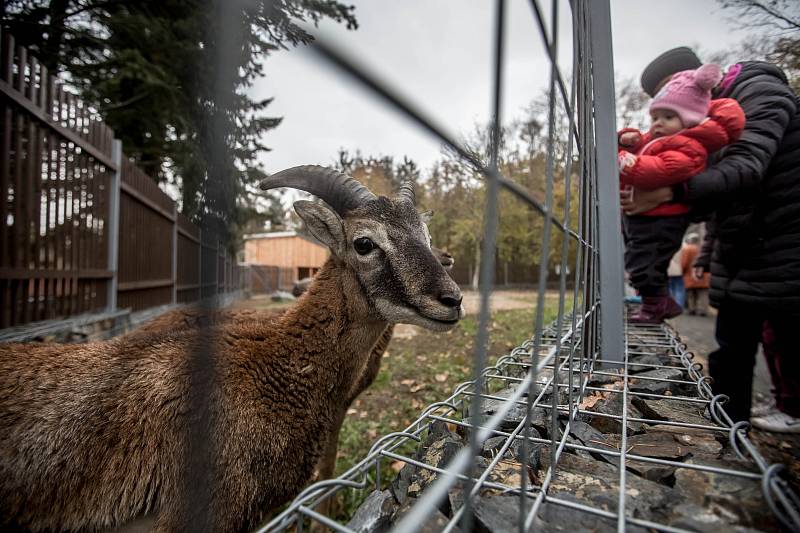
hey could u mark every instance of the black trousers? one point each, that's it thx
(739, 330)
(650, 243)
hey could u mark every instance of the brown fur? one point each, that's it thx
(92, 436)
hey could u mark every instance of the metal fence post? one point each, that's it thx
(113, 224)
(174, 253)
(609, 223)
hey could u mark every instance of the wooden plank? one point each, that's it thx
(141, 198)
(5, 175)
(30, 273)
(22, 60)
(188, 235)
(44, 88)
(145, 284)
(33, 92)
(8, 92)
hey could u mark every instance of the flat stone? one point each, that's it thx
(557, 518)
(497, 514)
(596, 483)
(437, 450)
(612, 405)
(534, 449)
(659, 445)
(671, 410)
(700, 441)
(697, 518)
(733, 500)
(492, 446)
(650, 359)
(589, 436)
(637, 384)
(374, 515)
(438, 454)
(433, 524)
(598, 380)
(540, 417)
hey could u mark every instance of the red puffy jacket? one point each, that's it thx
(675, 158)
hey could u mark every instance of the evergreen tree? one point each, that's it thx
(170, 76)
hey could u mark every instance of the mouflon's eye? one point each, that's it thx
(363, 245)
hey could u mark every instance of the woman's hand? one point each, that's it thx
(698, 272)
(636, 201)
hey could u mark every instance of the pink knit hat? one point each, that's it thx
(688, 94)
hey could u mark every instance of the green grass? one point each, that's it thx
(420, 370)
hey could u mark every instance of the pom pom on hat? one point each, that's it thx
(708, 76)
(688, 94)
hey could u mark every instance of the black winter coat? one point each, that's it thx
(754, 189)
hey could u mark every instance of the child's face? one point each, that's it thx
(665, 122)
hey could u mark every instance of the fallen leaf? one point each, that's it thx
(398, 466)
(372, 434)
(408, 382)
(590, 400)
(441, 378)
(417, 388)
(352, 411)
(363, 414)
(415, 404)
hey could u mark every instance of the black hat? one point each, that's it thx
(667, 64)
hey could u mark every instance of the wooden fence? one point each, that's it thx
(82, 229)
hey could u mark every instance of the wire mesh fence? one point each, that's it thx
(533, 404)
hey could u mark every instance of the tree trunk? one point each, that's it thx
(55, 35)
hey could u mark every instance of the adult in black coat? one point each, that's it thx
(752, 187)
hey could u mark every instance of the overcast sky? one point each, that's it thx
(438, 54)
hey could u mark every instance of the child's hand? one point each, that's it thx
(626, 161)
(630, 138)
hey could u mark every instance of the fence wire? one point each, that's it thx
(551, 371)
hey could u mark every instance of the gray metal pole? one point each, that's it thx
(113, 224)
(174, 253)
(609, 223)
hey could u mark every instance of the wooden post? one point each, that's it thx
(174, 253)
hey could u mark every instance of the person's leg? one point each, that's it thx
(731, 365)
(780, 348)
(677, 290)
(702, 302)
(680, 291)
(640, 254)
(691, 301)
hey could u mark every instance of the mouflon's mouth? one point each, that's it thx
(441, 321)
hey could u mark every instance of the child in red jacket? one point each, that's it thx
(687, 127)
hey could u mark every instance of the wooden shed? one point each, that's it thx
(302, 254)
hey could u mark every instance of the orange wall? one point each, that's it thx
(285, 252)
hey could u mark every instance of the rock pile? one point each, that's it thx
(680, 497)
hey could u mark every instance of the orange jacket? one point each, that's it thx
(665, 161)
(688, 255)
